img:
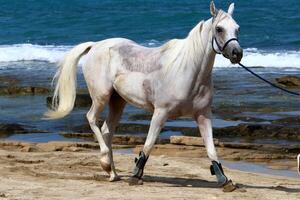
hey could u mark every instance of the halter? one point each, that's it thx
(221, 49)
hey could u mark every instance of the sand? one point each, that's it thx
(76, 174)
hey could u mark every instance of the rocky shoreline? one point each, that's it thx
(245, 141)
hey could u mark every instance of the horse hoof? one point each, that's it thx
(135, 181)
(229, 187)
(114, 179)
(105, 166)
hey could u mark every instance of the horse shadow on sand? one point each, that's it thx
(188, 182)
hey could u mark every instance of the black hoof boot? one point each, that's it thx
(138, 170)
(216, 169)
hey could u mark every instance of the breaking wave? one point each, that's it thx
(52, 54)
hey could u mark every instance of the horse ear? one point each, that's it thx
(213, 10)
(231, 9)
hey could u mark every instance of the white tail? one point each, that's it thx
(65, 89)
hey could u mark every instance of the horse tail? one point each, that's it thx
(65, 90)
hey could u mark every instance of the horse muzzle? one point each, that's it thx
(236, 55)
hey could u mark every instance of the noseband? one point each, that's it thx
(221, 49)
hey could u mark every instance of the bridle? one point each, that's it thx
(220, 48)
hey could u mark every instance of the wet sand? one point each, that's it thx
(75, 173)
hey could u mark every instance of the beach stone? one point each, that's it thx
(66, 146)
(8, 80)
(52, 146)
(141, 116)
(23, 90)
(256, 131)
(287, 121)
(30, 148)
(8, 129)
(189, 140)
(2, 195)
(78, 135)
(279, 167)
(122, 128)
(128, 140)
(82, 100)
(289, 81)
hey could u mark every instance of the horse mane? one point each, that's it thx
(177, 52)
(183, 53)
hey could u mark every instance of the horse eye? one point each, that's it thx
(219, 30)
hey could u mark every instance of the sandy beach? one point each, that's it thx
(75, 173)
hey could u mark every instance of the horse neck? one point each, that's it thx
(190, 59)
(200, 39)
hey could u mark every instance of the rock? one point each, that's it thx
(128, 140)
(289, 81)
(141, 116)
(279, 167)
(8, 80)
(258, 131)
(23, 90)
(88, 136)
(288, 121)
(122, 129)
(189, 141)
(52, 146)
(2, 195)
(29, 149)
(66, 146)
(82, 100)
(9, 129)
(117, 139)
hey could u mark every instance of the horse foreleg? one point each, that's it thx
(205, 127)
(158, 119)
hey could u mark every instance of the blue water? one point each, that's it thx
(269, 24)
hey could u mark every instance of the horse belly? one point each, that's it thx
(133, 87)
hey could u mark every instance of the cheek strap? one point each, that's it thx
(221, 49)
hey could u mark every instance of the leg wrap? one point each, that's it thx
(139, 165)
(216, 169)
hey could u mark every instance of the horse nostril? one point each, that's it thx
(234, 53)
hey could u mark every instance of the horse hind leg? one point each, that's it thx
(116, 107)
(92, 117)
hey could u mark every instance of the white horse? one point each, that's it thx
(171, 81)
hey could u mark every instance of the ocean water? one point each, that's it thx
(33, 30)
(34, 35)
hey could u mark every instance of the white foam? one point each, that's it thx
(51, 53)
(30, 52)
(254, 57)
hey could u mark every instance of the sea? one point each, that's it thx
(35, 35)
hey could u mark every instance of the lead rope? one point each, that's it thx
(270, 83)
(221, 49)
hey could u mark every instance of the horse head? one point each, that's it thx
(225, 32)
